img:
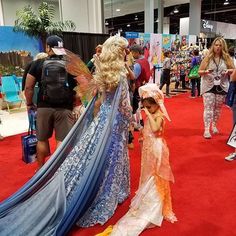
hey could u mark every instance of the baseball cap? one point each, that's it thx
(137, 48)
(56, 44)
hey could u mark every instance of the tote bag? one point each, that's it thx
(193, 73)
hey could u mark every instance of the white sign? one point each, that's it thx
(207, 25)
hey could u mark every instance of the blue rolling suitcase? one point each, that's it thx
(29, 141)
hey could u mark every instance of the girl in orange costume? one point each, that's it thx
(152, 201)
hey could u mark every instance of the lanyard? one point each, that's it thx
(217, 65)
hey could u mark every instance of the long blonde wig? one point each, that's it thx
(224, 53)
(110, 65)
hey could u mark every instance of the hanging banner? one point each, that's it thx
(156, 56)
(192, 40)
(166, 41)
(184, 42)
(155, 49)
(144, 41)
(175, 42)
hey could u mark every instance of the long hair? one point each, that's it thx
(110, 65)
(224, 53)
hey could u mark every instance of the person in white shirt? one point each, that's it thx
(166, 73)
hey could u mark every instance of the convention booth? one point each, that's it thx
(156, 44)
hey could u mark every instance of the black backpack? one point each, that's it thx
(54, 80)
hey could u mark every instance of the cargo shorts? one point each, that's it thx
(48, 120)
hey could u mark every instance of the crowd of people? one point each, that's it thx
(93, 150)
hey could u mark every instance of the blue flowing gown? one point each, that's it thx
(84, 180)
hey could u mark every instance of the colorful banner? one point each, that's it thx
(166, 41)
(175, 42)
(144, 41)
(155, 49)
(184, 42)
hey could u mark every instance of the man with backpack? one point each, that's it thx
(55, 99)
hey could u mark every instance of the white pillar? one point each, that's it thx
(149, 16)
(1, 14)
(195, 17)
(86, 14)
(166, 25)
(160, 16)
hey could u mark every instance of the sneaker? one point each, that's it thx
(207, 135)
(231, 157)
(215, 130)
(168, 96)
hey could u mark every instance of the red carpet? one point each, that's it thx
(204, 194)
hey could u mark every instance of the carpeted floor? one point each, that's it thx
(204, 194)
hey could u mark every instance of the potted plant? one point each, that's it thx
(40, 24)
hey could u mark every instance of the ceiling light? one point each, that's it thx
(128, 25)
(176, 10)
(136, 17)
(226, 2)
(106, 23)
(118, 9)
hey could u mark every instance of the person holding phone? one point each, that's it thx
(214, 70)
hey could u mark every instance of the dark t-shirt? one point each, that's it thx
(36, 71)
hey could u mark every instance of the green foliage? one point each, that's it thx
(11, 70)
(40, 24)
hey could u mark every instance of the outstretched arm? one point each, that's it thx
(29, 90)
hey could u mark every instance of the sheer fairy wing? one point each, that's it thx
(86, 88)
(75, 66)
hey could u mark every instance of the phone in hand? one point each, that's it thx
(210, 70)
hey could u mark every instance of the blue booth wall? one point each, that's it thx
(15, 41)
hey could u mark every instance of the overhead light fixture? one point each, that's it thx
(128, 25)
(106, 23)
(226, 2)
(136, 17)
(220, 11)
(176, 10)
(118, 9)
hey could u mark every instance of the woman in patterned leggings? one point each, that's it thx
(215, 70)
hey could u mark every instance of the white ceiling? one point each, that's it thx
(132, 6)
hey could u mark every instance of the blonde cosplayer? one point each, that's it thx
(110, 66)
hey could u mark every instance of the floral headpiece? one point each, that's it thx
(153, 91)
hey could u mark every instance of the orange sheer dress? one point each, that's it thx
(152, 201)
